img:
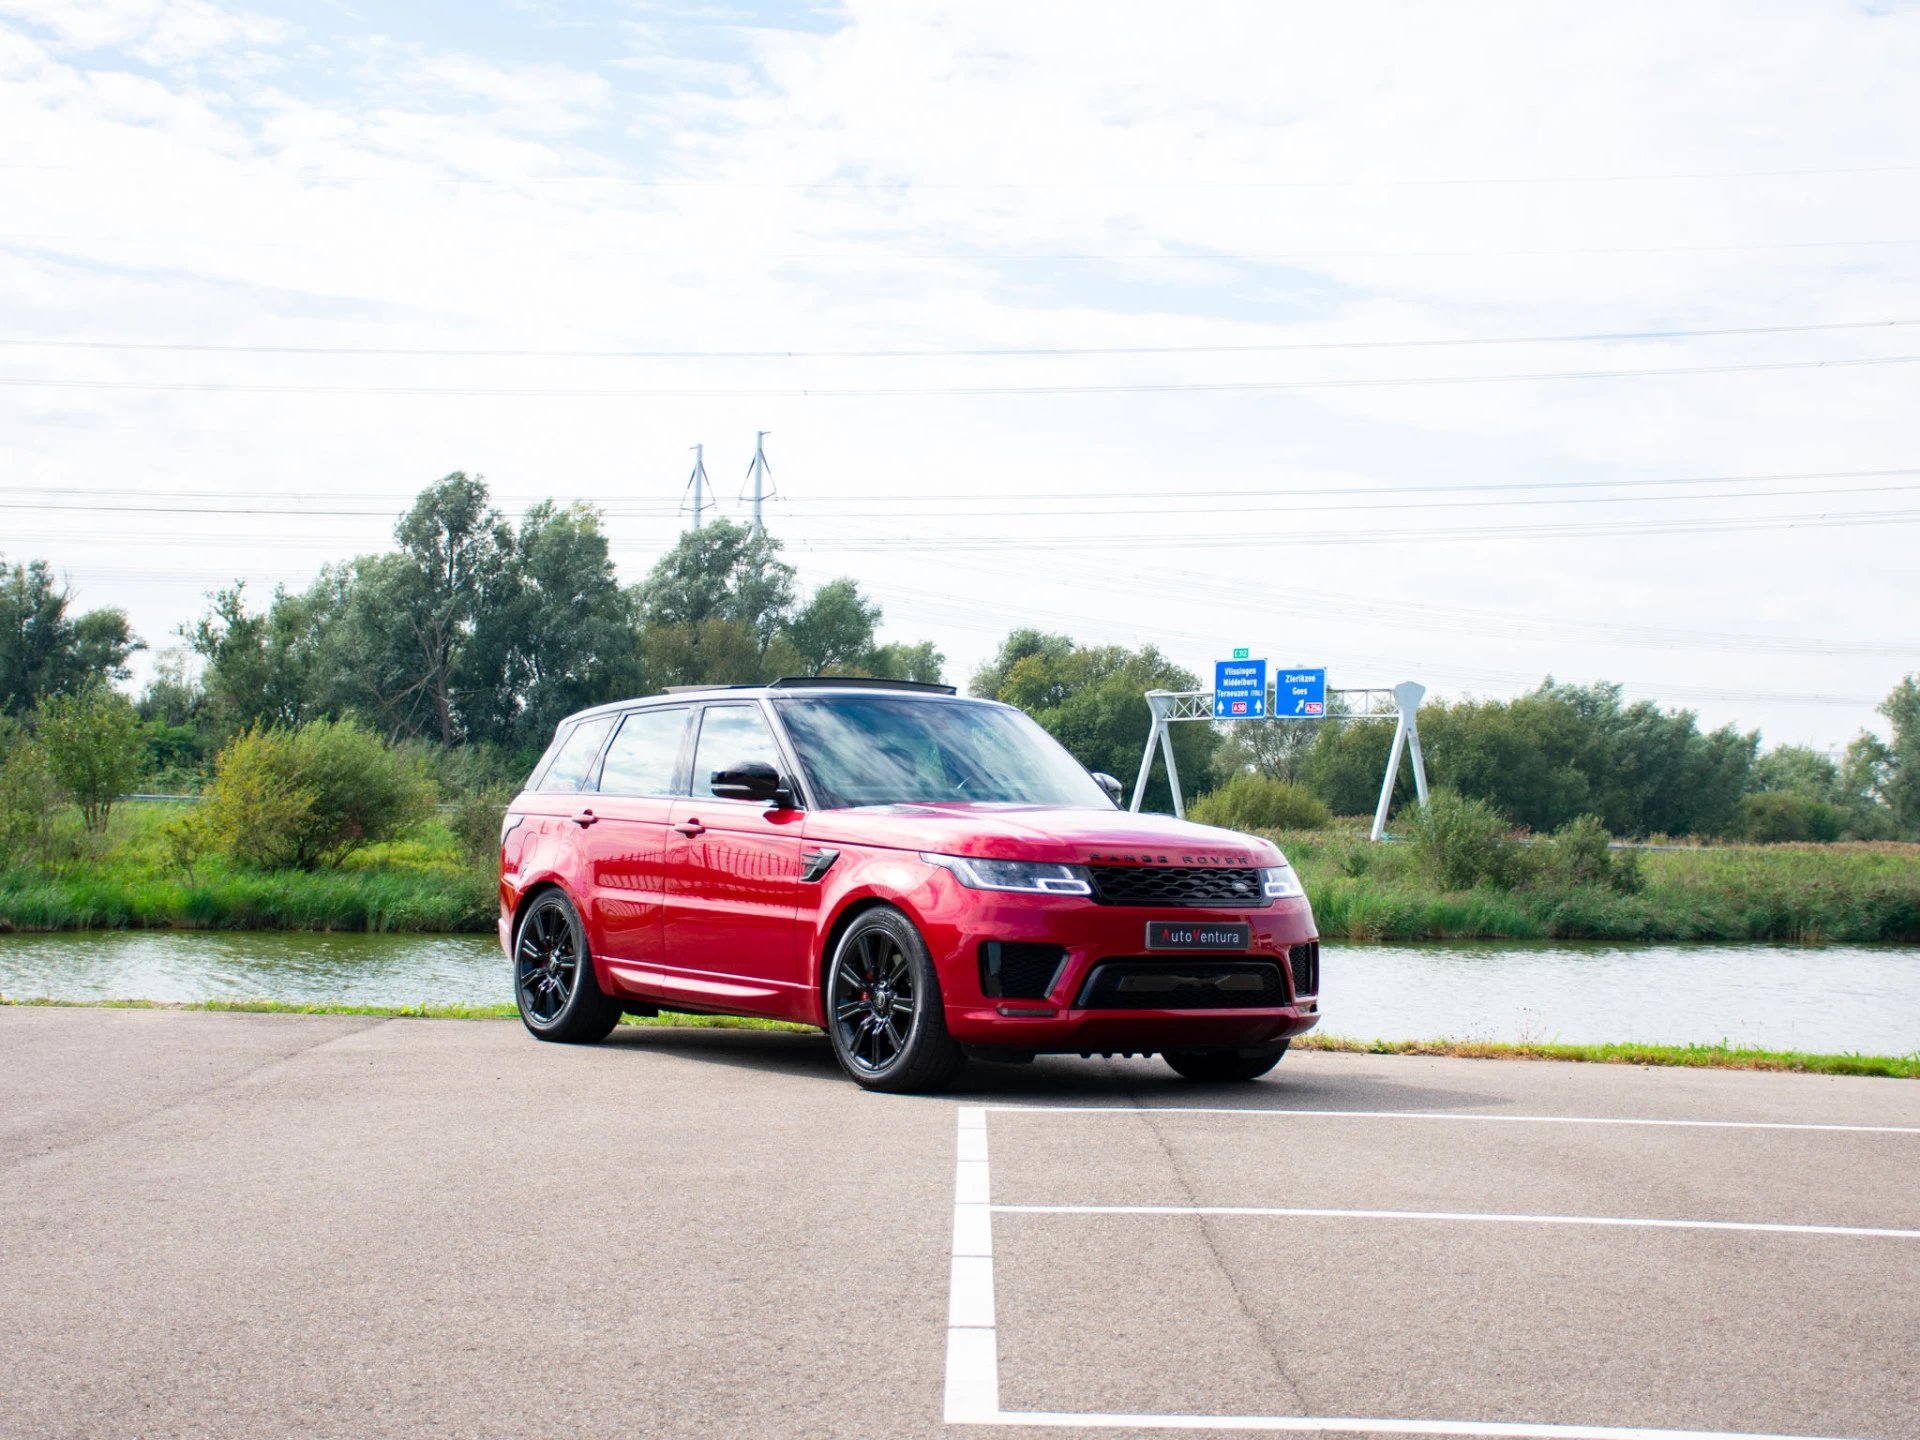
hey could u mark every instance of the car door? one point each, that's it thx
(734, 877)
(626, 839)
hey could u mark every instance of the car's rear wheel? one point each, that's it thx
(553, 975)
(1249, 1063)
(883, 1006)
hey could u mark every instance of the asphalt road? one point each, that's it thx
(231, 1225)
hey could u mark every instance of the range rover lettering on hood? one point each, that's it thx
(1215, 858)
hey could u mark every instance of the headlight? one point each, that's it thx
(1280, 883)
(1026, 876)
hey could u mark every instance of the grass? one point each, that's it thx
(1708, 1057)
(123, 880)
(403, 1012)
(1704, 1057)
(1851, 893)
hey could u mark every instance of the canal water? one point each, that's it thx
(1830, 999)
(1823, 998)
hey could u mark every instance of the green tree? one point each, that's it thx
(261, 668)
(725, 572)
(1900, 769)
(556, 633)
(900, 661)
(1093, 700)
(833, 632)
(1346, 764)
(1796, 770)
(1524, 757)
(44, 649)
(95, 747)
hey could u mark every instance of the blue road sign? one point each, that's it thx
(1300, 695)
(1239, 689)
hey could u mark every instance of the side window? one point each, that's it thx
(730, 734)
(572, 767)
(645, 755)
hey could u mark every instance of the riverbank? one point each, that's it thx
(1832, 894)
(128, 879)
(1705, 1057)
(1837, 894)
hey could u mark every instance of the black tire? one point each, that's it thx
(879, 971)
(1226, 1065)
(553, 980)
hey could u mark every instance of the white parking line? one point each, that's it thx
(1473, 1117)
(973, 1353)
(1494, 1217)
(1354, 1425)
(973, 1362)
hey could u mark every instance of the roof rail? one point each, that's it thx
(857, 682)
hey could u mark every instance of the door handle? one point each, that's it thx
(691, 827)
(585, 818)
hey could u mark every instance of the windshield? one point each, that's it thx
(892, 750)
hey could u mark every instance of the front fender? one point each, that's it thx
(899, 878)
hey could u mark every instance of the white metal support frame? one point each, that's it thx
(1403, 701)
(1406, 736)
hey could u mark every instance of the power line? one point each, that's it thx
(1567, 529)
(148, 239)
(412, 176)
(460, 352)
(616, 503)
(1431, 615)
(1291, 508)
(909, 392)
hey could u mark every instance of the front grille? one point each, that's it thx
(1151, 983)
(1175, 885)
(1304, 957)
(1019, 969)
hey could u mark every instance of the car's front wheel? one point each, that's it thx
(883, 1007)
(1249, 1063)
(553, 975)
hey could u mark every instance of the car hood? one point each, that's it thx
(1038, 832)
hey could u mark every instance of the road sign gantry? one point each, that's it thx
(1402, 702)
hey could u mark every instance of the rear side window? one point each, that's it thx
(572, 767)
(644, 758)
(729, 736)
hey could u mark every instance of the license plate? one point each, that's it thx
(1212, 935)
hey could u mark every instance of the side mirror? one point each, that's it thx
(752, 780)
(1107, 783)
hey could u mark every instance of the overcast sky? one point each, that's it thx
(1254, 236)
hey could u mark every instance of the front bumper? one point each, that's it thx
(1091, 934)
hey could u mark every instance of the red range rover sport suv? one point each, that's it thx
(923, 876)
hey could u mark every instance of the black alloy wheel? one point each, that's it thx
(883, 1007)
(1226, 1066)
(553, 975)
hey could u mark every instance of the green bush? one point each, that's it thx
(29, 796)
(1580, 853)
(475, 823)
(1776, 816)
(95, 746)
(1460, 843)
(1260, 802)
(301, 799)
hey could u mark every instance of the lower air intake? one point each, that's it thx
(1159, 984)
(1019, 969)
